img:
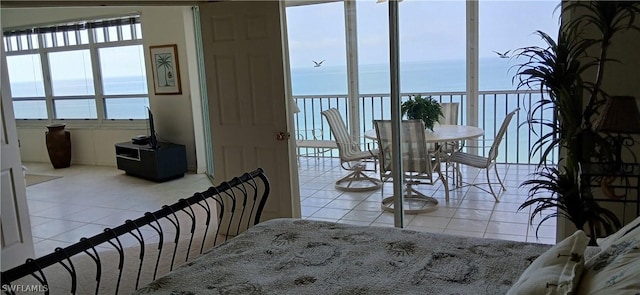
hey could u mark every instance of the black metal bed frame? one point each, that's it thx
(238, 203)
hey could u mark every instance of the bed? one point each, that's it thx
(294, 256)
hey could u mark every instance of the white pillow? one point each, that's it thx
(615, 269)
(557, 270)
(633, 226)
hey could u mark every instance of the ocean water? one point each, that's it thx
(428, 76)
(431, 76)
(132, 108)
(495, 74)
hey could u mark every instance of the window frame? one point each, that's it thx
(93, 28)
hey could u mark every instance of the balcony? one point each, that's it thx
(470, 211)
(493, 106)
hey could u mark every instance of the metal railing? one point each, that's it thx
(493, 106)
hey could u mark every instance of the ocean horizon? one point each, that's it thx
(415, 77)
(327, 80)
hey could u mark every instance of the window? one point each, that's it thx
(373, 47)
(122, 70)
(71, 73)
(27, 85)
(455, 51)
(318, 63)
(502, 29)
(432, 57)
(84, 70)
(27, 82)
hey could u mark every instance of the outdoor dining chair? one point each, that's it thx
(352, 157)
(449, 112)
(450, 117)
(463, 158)
(418, 165)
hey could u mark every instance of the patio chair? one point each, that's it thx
(462, 158)
(418, 165)
(450, 113)
(450, 117)
(352, 158)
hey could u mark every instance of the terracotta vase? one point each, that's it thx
(58, 145)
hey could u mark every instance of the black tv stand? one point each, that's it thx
(168, 161)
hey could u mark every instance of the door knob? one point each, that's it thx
(283, 135)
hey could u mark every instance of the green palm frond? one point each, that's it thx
(558, 194)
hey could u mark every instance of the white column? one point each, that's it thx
(351, 35)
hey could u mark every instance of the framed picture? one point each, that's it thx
(166, 73)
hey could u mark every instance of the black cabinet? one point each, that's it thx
(167, 161)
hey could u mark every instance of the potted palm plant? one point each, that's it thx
(425, 108)
(559, 71)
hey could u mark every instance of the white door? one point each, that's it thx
(17, 242)
(248, 95)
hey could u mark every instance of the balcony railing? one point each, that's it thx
(493, 106)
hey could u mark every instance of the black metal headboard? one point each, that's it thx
(238, 205)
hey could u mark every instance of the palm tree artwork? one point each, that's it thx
(164, 68)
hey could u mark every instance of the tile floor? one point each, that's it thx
(89, 198)
(469, 212)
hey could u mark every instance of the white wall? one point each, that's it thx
(173, 114)
(89, 146)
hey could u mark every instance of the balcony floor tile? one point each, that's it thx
(470, 211)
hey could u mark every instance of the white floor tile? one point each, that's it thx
(335, 214)
(360, 215)
(507, 228)
(467, 225)
(93, 197)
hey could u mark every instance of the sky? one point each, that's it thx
(429, 30)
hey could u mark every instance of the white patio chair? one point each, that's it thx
(352, 158)
(449, 112)
(450, 117)
(462, 158)
(418, 165)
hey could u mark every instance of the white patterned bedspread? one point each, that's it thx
(293, 256)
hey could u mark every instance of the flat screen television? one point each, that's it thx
(153, 140)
